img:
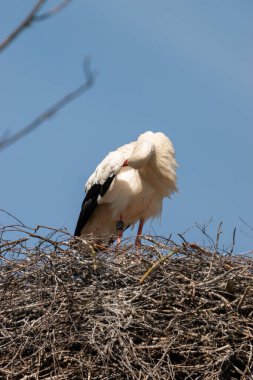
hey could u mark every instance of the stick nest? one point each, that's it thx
(173, 312)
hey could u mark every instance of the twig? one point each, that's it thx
(60, 319)
(218, 238)
(246, 224)
(47, 240)
(14, 242)
(53, 11)
(203, 229)
(24, 24)
(32, 17)
(53, 109)
(242, 298)
(12, 216)
(155, 265)
(181, 236)
(233, 242)
(156, 242)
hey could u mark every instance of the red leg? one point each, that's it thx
(120, 229)
(138, 237)
(119, 237)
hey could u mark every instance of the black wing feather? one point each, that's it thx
(90, 203)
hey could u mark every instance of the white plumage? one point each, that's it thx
(128, 186)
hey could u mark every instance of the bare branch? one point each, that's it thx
(32, 17)
(24, 24)
(155, 265)
(219, 232)
(246, 224)
(233, 243)
(53, 11)
(4, 143)
(12, 216)
(61, 319)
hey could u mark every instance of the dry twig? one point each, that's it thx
(62, 319)
(30, 18)
(89, 80)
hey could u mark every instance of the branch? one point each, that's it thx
(24, 24)
(5, 142)
(32, 17)
(53, 11)
(155, 265)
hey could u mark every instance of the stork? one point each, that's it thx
(128, 186)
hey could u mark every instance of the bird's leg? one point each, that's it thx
(119, 228)
(138, 237)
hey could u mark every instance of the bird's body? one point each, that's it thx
(128, 186)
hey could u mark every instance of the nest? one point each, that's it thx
(171, 312)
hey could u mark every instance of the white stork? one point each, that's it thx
(128, 186)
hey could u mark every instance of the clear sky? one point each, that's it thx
(181, 67)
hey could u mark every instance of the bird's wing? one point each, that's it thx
(99, 182)
(90, 203)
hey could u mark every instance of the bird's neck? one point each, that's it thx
(159, 174)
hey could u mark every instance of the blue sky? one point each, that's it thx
(180, 67)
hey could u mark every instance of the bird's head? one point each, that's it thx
(143, 149)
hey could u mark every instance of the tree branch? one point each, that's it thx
(32, 17)
(90, 78)
(53, 11)
(24, 24)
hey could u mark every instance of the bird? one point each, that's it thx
(127, 187)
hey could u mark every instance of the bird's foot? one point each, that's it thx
(120, 229)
